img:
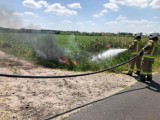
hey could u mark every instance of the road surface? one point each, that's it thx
(140, 102)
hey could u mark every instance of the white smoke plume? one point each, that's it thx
(45, 45)
(47, 48)
(8, 19)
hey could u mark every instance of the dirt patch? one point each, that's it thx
(37, 99)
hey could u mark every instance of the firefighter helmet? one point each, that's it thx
(138, 36)
(153, 36)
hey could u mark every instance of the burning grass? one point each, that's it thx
(67, 51)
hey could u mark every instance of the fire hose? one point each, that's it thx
(67, 76)
(79, 107)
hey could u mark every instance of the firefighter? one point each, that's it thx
(148, 58)
(135, 47)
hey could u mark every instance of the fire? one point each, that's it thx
(75, 62)
(65, 61)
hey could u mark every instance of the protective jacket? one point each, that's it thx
(148, 59)
(136, 46)
(149, 50)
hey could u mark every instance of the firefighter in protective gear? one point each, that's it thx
(135, 47)
(148, 58)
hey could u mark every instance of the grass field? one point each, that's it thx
(25, 45)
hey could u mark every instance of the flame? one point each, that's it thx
(65, 61)
(75, 62)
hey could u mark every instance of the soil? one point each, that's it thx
(38, 99)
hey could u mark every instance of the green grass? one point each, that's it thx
(78, 47)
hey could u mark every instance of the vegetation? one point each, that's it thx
(60, 32)
(77, 47)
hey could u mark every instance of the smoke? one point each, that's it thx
(47, 48)
(8, 19)
(33, 26)
(107, 54)
(72, 45)
(44, 45)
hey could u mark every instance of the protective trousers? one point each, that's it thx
(147, 63)
(136, 62)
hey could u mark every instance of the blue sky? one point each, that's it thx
(83, 15)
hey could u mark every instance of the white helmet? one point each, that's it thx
(138, 36)
(153, 36)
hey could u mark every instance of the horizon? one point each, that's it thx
(68, 31)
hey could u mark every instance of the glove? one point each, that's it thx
(141, 53)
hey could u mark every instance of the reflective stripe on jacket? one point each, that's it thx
(149, 50)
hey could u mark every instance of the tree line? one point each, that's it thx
(45, 31)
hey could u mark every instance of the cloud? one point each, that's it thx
(79, 23)
(34, 4)
(122, 24)
(97, 15)
(102, 13)
(136, 3)
(52, 23)
(17, 14)
(74, 5)
(135, 23)
(58, 9)
(111, 6)
(43, 3)
(121, 17)
(107, 6)
(155, 4)
(30, 14)
(67, 21)
(25, 13)
(155, 17)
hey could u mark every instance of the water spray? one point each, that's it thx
(108, 54)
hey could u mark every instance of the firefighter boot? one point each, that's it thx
(142, 78)
(149, 77)
(138, 72)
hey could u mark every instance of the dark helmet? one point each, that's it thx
(153, 36)
(138, 36)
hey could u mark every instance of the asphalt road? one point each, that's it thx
(140, 102)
